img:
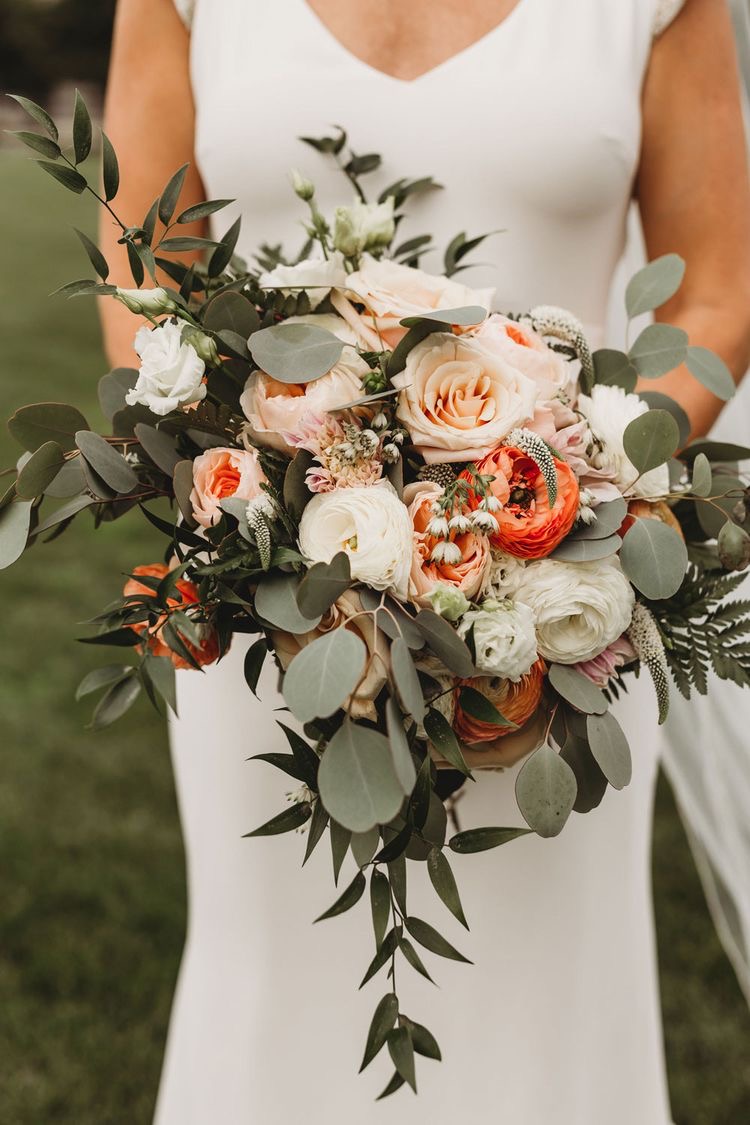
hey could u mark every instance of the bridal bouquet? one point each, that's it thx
(455, 531)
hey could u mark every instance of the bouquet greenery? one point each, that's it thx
(454, 531)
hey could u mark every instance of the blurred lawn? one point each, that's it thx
(91, 864)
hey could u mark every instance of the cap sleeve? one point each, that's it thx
(666, 10)
(185, 9)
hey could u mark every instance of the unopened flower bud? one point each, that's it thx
(151, 302)
(204, 345)
(303, 187)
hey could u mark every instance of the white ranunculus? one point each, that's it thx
(370, 524)
(317, 276)
(608, 411)
(579, 608)
(504, 638)
(171, 371)
(363, 226)
(153, 302)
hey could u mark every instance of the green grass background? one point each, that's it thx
(92, 901)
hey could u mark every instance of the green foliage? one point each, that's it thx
(546, 791)
(293, 353)
(654, 557)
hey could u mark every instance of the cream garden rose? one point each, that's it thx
(390, 292)
(525, 350)
(171, 371)
(221, 473)
(579, 608)
(608, 411)
(370, 524)
(504, 638)
(275, 410)
(458, 400)
(317, 276)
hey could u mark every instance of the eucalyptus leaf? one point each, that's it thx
(40, 470)
(610, 749)
(614, 369)
(64, 512)
(655, 400)
(113, 388)
(357, 780)
(710, 370)
(652, 286)
(15, 520)
(444, 882)
(659, 349)
(477, 705)
(276, 603)
(483, 839)
(586, 550)
(465, 316)
(364, 845)
(105, 460)
(403, 763)
(392, 618)
(609, 519)
(406, 680)
(577, 689)
(160, 446)
(295, 353)
(323, 584)
(702, 476)
(654, 557)
(546, 792)
(41, 422)
(231, 311)
(445, 642)
(324, 674)
(651, 439)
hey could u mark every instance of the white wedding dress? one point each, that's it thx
(534, 129)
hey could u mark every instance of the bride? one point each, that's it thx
(542, 118)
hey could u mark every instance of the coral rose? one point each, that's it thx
(389, 292)
(185, 594)
(528, 527)
(468, 575)
(345, 613)
(515, 701)
(458, 400)
(221, 473)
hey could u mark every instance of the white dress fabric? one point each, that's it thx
(534, 129)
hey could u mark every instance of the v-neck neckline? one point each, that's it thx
(491, 33)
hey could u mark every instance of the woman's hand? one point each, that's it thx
(149, 117)
(694, 194)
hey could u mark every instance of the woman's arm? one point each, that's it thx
(149, 117)
(694, 194)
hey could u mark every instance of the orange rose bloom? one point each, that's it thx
(516, 702)
(528, 528)
(185, 594)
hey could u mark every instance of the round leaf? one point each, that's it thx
(579, 691)
(609, 517)
(105, 460)
(323, 584)
(546, 792)
(610, 749)
(658, 401)
(702, 476)
(445, 642)
(587, 549)
(651, 439)
(276, 603)
(659, 349)
(295, 353)
(40, 470)
(654, 284)
(34, 425)
(357, 781)
(733, 545)
(654, 557)
(324, 674)
(15, 520)
(614, 369)
(710, 370)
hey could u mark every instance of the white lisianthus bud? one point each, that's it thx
(363, 226)
(303, 187)
(152, 302)
(171, 371)
(204, 345)
(448, 601)
(504, 638)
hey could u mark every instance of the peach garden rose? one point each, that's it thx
(526, 350)
(466, 576)
(221, 473)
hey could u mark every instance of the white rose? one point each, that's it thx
(504, 638)
(390, 292)
(317, 276)
(370, 524)
(458, 400)
(151, 301)
(579, 608)
(363, 226)
(275, 410)
(171, 371)
(608, 411)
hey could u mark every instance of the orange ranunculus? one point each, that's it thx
(515, 701)
(185, 594)
(528, 528)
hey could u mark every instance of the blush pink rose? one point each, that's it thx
(468, 575)
(458, 400)
(389, 292)
(276, 410)
(221, 473)
(525, 350)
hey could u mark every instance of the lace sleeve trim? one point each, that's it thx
(666, 10)
(185, 8)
